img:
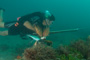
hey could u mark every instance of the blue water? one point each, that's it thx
(69, 14)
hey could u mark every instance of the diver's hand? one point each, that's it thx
(41, 33)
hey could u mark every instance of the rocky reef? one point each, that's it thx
(77, 50)
(39, 52)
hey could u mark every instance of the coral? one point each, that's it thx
(39, 52)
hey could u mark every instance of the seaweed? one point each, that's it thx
(39, 52)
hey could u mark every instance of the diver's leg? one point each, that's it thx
(1, 14)
(1, 24)
(1, 18)
(4, 33)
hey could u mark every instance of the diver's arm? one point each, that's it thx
(28, 25)
(41, 33)
(33, 27)
(46, 32)
(38, 30)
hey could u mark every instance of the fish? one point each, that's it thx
(34, 37)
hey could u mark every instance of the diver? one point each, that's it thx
(37, 23)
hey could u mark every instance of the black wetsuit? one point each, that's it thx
(34, 18)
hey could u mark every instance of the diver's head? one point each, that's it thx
(48, 18)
